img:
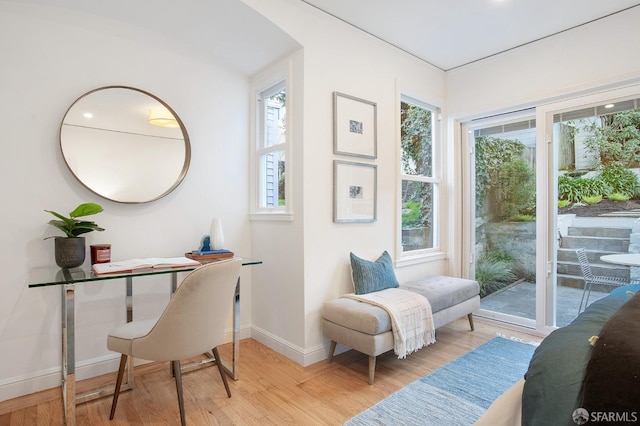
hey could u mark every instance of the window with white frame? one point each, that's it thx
(418, 182)
(272, 148)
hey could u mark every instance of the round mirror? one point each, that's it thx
(125, 144)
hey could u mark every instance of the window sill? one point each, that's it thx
(409, 259)
(271, 217)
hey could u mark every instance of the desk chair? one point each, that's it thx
(192, 323)
(590, 279)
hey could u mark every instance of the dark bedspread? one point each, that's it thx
(554, 381)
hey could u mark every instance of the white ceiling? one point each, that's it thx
(225, 32)
(452, 33)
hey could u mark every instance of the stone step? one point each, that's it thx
(569, 255)
(596, 243)
(599, 269)
(597, 231)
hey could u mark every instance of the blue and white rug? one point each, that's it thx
(456, 394)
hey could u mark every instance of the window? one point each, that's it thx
(419, 185)
(272, 148)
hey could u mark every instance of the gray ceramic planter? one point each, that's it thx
(70, 252)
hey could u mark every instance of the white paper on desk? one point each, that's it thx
(151, 262)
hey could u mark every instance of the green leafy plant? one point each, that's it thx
(563, 203)
(493, 271)
(616, 139)
(616, 196)
(576, 189)
(595, 199)
(620, 180)
(516, 195)
(491, 154)
(71, 226)
(522, 218)
(411, 212)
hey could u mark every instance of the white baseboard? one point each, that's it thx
(17, 386)
(288, 349)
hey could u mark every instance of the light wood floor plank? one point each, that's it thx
(272, 389)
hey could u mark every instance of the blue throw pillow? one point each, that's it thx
(371, 276)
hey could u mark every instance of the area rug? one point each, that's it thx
(456, 394)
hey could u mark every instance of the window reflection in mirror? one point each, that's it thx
(125, 144)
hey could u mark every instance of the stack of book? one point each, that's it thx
(200, 255)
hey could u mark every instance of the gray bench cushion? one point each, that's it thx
(356, 315)
(441, 292)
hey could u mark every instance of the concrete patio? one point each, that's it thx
(519, 299)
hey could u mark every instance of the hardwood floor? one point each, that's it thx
(272, 390)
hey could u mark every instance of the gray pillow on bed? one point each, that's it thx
(553, 382)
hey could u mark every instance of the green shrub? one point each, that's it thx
(592, 200)
(576, 189)
(616, 139)
(516, 190)
(616, 196)
(620, 180)
(522, 218)
(492, 274)
(563, 203)
(411, 215)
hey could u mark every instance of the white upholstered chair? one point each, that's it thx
(192, 323)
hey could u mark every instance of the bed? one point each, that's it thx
(574, 374)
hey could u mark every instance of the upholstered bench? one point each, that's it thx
(367, 328)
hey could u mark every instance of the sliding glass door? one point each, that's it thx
(540, 185)
(502, 156)
(597, 149)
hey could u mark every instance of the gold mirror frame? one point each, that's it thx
(110, 145)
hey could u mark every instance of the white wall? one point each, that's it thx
(50, 57)
(591, 57)
(337, 57)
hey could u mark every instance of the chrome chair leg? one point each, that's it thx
(178, 375)
(116, 393)
(221, 369)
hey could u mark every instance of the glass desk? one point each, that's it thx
(68, 278)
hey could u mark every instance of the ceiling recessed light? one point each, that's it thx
(609, 106)
(87, 115)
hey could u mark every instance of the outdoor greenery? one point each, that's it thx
(592, 200)
(616, 196)
(505, 183)
(611, 180)
(493, 272)
(411, 217)
(416, 159)
(615, 138)
(620, 180)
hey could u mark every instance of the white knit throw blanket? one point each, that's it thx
(411, 317)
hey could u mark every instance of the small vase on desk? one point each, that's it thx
(215, 235)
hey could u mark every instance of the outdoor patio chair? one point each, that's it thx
(590, 279)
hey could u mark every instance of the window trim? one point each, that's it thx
(411, 257)
(271, 83)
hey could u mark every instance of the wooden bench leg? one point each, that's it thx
(470, 316)
(372, 368)
(332, 349)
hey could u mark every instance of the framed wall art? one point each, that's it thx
(354, 126)
(354, 192)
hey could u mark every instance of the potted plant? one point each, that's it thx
(70, 249)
